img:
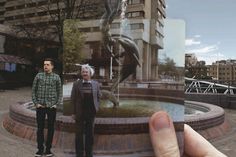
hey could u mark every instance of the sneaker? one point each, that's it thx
(38, 153)
(48, 153)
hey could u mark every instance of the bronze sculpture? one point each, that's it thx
(130, 54)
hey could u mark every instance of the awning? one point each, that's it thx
(14, 59)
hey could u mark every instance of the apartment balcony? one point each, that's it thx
(32, 20)
(161, 9)
(35, 10)
(156, 41)
(2, 9)
(163, 2)
(135, 7)
(14, 3)
(160, 29)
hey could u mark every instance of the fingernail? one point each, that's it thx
(161, 121)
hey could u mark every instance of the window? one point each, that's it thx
(30, 15)
(10, 8)
(115, 25)
(95, 29)
(19, 17)
(31, 5)
(20, 6)
(42, 3)
(53, 11)
(84, 29)
(42, 13)
(135, 14)
(131, 2)
(9, 18)
(137, 26)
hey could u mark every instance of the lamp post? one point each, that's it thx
(111, 60)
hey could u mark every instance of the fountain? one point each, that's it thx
(124, 133)
(121, 125)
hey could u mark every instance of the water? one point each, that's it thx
(192, 111)
(123, 24)
(142, 108)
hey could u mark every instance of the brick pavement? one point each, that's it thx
(12, 146)
(227, 142)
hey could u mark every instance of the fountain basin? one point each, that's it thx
(116, 136)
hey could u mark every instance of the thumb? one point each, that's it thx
(163, 135)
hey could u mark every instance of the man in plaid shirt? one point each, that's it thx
(46, 95)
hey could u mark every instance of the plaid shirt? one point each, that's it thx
(46, 89)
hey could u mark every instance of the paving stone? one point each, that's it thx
(12, 146)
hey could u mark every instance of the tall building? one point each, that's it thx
(223, 70)
(145, 20)
(190, 59)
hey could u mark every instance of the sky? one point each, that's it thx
(174, 41)
(210, 27)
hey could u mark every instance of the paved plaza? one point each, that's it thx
(13, 146)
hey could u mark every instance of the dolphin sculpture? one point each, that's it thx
(131, 60)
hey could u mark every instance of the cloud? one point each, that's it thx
(210, 58)
(206, 52)
(191, 41)
(203, 50)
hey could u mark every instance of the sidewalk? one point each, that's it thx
(13, 146)
(10, 145)
(227, 143)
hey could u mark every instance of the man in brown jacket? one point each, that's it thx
(85, 97)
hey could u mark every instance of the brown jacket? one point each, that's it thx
(77, 96)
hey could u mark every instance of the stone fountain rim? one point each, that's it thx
(100, 120)
(214, 117)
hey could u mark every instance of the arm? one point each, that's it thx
(59, 91)
(34, 90)
(73, 97)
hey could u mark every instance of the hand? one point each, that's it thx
(73, 116)
(39, 106)
(165, 144)
(54, 107)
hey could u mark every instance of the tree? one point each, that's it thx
(57, 11)
(168, 67)
(73, 43)
(40, 24)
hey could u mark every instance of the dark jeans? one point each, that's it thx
(51, 116)
(84, 125)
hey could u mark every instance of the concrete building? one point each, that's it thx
(146, 22)
(223, 70)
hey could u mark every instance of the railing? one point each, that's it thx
(210, 86)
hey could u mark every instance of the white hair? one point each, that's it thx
(88, 67)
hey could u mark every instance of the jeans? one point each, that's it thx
(84, 125)
(40, 116)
